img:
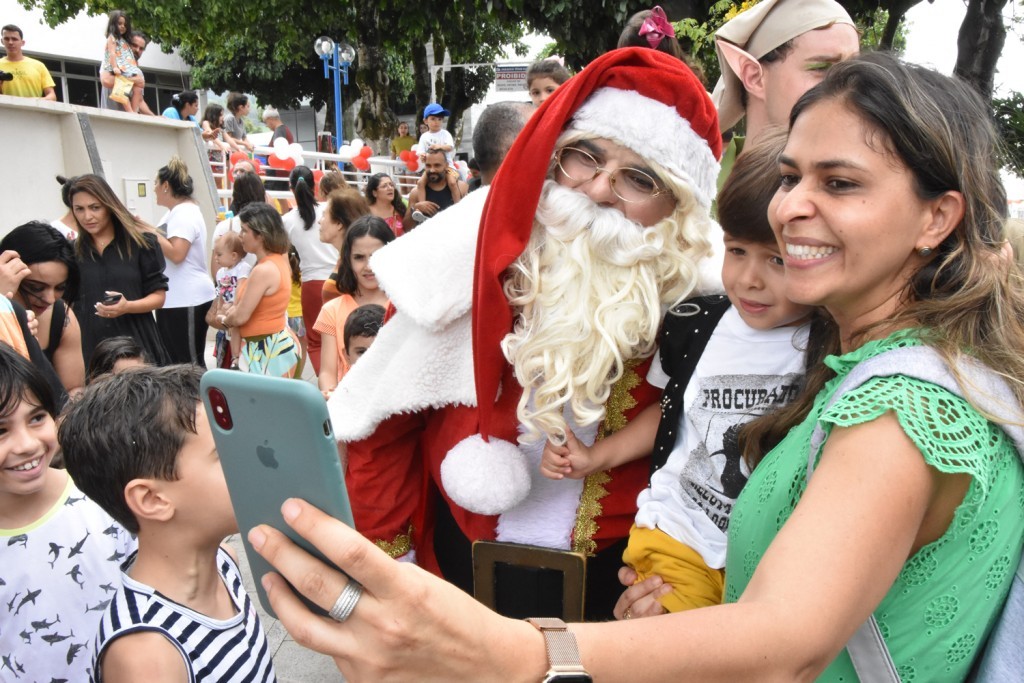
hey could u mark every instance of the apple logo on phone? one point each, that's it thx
(266, 456)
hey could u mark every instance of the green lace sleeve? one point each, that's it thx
(951, 435)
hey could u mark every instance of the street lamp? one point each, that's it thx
(336, 58)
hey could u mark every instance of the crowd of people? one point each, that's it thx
(692, 404)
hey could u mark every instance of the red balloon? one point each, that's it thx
(361, 163)
(404, 155)
(412, 164)
(238, 156)
(366, 152)
(317, 177)
(283, 164)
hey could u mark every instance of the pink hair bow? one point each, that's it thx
(656, 27)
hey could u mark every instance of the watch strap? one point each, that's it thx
(560, 642)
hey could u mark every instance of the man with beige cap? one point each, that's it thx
(770, 55)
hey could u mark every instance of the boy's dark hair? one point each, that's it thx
(129, 426)
(365, 321)
(547, 68)
(20, 380)
(108, 352)
(12, 28)
(744, 198)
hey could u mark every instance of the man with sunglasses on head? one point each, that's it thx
(529, 309)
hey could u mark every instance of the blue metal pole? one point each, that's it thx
(337, 97)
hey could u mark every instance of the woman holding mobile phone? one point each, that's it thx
(891, 212)
(121, 271)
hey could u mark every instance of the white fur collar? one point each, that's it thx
(428, 274)
(422, 358)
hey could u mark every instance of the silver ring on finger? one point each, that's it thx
(346, 602)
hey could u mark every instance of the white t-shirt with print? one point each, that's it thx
(743, 374)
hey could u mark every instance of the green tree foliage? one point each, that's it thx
(266, 48)
(1009, 116)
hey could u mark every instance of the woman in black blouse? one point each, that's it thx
(121, 268)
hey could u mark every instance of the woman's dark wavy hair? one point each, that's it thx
(371, 192)
(968, 298)
(38, 242)
(212, 114)
(248, 188)
(366, 226)
(304, 189)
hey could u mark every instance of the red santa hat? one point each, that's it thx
(646, 100)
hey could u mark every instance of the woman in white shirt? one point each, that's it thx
(317, 258)
(182, 320)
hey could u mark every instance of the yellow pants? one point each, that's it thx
(694, 584)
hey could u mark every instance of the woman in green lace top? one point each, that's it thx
(891, 215)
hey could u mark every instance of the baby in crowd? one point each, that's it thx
(59, 552)
(232, 268)
(140, 445)
(723, 362)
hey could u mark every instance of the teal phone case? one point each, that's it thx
(279, 445)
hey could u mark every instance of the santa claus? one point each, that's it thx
(528, 311)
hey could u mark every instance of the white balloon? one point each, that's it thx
(280, 143)
(357, 145)
(345, 152)
(415, 149)
(294, 149)
(299, 161)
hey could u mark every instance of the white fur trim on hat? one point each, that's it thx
(655, 131)
(485, 477)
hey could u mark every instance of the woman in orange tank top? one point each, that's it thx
(260, 311)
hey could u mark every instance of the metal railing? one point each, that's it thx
(404, 181)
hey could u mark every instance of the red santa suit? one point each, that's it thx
(409, 410)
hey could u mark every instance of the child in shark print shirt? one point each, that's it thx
(59, 552)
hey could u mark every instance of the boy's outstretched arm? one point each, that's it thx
(575, 460)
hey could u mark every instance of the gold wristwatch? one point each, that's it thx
(563, 655)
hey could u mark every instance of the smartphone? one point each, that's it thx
(275, 442)
(111, 298)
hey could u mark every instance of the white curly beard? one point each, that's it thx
(589, 292)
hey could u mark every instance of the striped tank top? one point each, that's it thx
(214, 651)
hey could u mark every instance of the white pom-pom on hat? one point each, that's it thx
(485, 477)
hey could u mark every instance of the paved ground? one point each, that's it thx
(292, 662)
